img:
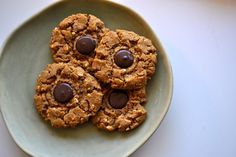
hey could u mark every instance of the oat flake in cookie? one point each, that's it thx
(121, 110)
(67, 96)
(124, 59)
(75, 39)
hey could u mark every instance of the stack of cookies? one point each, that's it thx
(98, 74)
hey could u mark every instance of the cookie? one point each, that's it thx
(124, 59)
(66, 95)
(75, 39)
(121, 110)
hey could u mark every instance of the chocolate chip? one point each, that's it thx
(118, 99)
(63, 93)
(85, 45)
(124, 58)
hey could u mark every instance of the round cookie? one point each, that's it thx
(124, 59)
(75, 39)
(67, 96)
(121, 110)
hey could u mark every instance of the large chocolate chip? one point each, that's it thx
(85, 45)
(118, 99)
(63, 93)
(123, 58)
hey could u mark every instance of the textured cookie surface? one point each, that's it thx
(124, 59)
(121, 119)
(60, 107)
(69, 30)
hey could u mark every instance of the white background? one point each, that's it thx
(200, 40)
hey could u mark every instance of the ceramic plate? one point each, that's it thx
(26, 53)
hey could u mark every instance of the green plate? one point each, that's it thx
(26, 53)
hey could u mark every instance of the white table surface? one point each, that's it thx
(200, 39)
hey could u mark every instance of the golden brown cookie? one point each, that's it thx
(121, 110)
(75, 39)
(124, 59)
(67, 96)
